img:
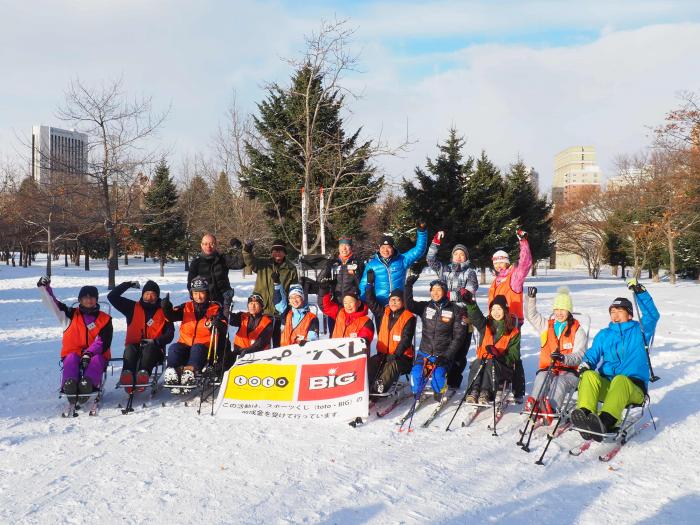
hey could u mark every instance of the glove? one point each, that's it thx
(248, 246)
(466, 296)
(235, 244)
(135, 284)
(43, 281)
(438, 237)
(421, 224)
(411, 278)
(491, 350)
(276, 277)
(165, 302)
(583, 367)
(634, 285)
(243, 351)
(301, 341)
(443, 361)
(521, 234)
(370, 277)
(557, 357)
(85, 360)
(531, 291)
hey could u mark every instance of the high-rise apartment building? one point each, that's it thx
(56, 150)
(576, 172)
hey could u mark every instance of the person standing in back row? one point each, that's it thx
(213, 267)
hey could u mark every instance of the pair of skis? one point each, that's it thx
(444, 401)
(74, 405)
(613, 448)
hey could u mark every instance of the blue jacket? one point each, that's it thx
(620, 348)
(390, 275)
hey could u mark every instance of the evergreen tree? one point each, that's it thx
(162, 225)
(220, 205)
(490, 224)
(438, 196)
(301, 144)
(532, 211)
(192, 205)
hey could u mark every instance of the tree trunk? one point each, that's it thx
(614, 269)
(78, 249)
(162, 266)
(113, 263)
(671, 256)
(650, 273)
(49, 249)
(533, 272)
(655, 276)
(126, 258)
(187, 261)
(87, 259)
(482, 280)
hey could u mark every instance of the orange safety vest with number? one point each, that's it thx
(290, 333)
(243, 338)
(78, 337)
(552, 343)
(351, 330)
(514, 299)
(501, 345)
(388, 340)
(193, 331)
(140, 329)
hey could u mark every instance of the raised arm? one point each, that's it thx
(522, 268)
(124, 305)
(537, 320)
(63, 313)
(431, 258)
(415, 253)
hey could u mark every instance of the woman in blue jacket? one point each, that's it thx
(619, 354)
(390, 267)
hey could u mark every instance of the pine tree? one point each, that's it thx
(439, 193)
(162, 225)
(220, 205)
(532, 211)
(489, 224)
(192, 205)
(302, 148)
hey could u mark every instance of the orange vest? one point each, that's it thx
(244, 339)
(289, 334)
(139, 329)
(351, 330)
(388, 340)
(514, 299)
(192, 331)
(77, 337)
(550, 343)
(501, 345)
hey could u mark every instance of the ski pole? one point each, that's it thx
(493, 385)
(466, 393)
(206, 369)
(550, 437)
(535, 405)
(424, 382)
(647, 346)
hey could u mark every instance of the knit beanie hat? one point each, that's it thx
(563, 301)
(461, 247)
(256, 297)
(501, 301)
(199, 284)
(296, 289)
(279, 245)
(345, 240)
(622, 302)
(387, 240)
(500, 256)
(88, 291)
(397, 293)
(151, 286)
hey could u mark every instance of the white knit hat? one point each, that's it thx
(500, 256)
(296, 289)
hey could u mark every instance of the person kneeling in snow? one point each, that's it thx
(499, 348)
(147, 331)
(86, 339)
(197, 318)
(396, 327)
(619, 354)
(254, 329)
(563, 343)
(444, 329)
(300, 324)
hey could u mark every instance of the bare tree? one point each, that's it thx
(118, 129)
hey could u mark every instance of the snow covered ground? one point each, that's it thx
(169, 465)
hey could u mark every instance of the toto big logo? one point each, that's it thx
(267, 382)
(327, 381)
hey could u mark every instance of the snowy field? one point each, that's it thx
(169, 465)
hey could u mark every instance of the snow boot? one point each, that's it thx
(596, 425)
(609, 422)
(84, 389)
(472, 397)
(70, 389)
(579, 418)
(499, 397)
(127, 378)
(142, 378)
(378, 386)
(484, 398)
(187, 377)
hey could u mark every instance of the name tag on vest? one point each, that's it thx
(352, 267)
(396, 337)
(568, 346)
(430, 313)
(252, 341)
(150, 322)
(91, 326)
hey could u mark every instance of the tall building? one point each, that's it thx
(576, 172)
(58, 150)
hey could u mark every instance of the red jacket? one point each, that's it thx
(333, 309)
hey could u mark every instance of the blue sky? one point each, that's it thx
(518, 79)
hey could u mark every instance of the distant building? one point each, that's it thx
(576, 173)
(56, 150)
(627, 177)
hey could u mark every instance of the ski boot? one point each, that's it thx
(142, 379)
(70, 389)
(85, 388)
(170, 377)
(126, 378)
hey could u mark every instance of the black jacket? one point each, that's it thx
(444, 325)
(126, 307)
(346, 276)
(409, 330)
(214, 268)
